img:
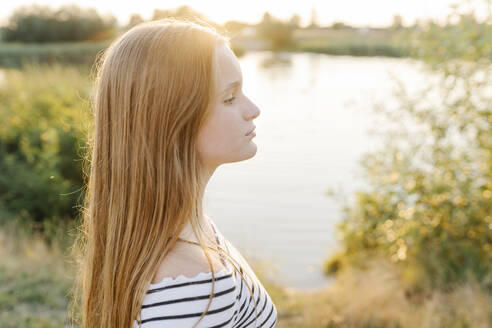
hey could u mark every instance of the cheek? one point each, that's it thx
(224, 125)
(220, 134)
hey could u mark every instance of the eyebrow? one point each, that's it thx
(234, 84)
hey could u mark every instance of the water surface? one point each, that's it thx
(316, 113)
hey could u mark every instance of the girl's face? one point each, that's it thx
(222, 139)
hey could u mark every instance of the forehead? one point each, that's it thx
(228, 68)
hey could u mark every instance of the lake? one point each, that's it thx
(316, 113)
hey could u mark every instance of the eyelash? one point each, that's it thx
(230, 99)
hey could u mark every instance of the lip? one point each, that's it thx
(247, 134)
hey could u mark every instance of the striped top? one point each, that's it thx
(179, 302)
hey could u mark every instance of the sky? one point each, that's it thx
(375, 13)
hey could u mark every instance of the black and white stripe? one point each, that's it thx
(181, 301)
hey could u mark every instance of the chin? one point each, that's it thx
(253, 150)
(247, 154)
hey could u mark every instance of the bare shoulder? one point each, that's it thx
(188, 260)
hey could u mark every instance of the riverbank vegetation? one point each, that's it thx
(416, 247)
(74, 35)
(36, 280)
(428, 208)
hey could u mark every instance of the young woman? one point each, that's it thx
(168, 110)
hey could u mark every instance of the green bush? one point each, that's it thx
(44, 113)
(429, 204)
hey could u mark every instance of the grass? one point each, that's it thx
(36, 281)
(13, 54)
(376, 298)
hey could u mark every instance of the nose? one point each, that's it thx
(252, 111)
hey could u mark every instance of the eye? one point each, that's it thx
(229, 101)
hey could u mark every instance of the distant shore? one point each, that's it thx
(350, 42)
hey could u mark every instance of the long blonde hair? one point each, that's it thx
(154, 88)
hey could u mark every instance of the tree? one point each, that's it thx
(314, 18)
(135, 19)
(41, 24)
(266, 18)
(397, 22)
(338, 25)
(278, 33)
(295, 21)
(235, 27)
(184, 12)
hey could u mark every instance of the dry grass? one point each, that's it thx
(36, 281)
(376, 298)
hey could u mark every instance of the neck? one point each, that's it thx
(187, 233)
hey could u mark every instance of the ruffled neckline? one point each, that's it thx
(201, 275)
(183, 278)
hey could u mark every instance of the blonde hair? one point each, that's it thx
(154, 89)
